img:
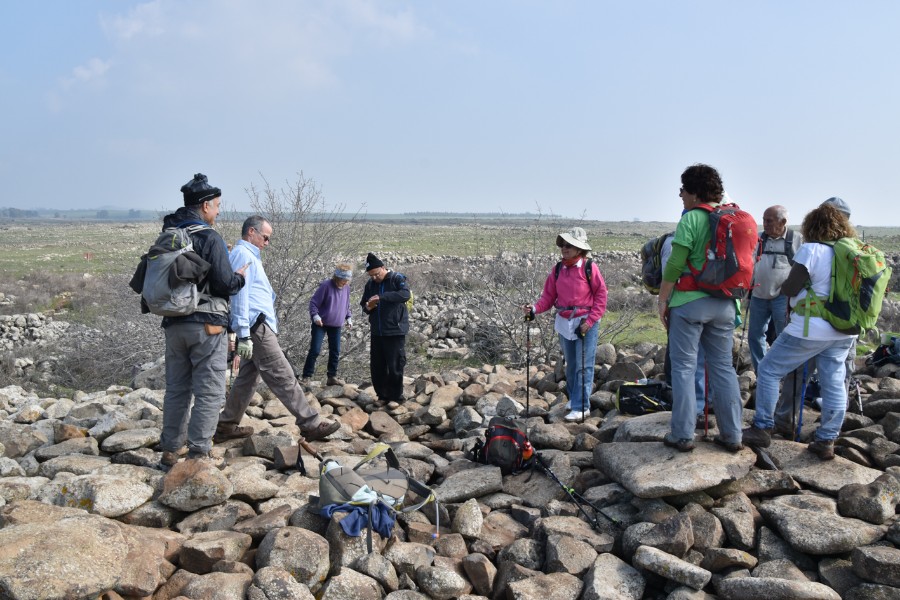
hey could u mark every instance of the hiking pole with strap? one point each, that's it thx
(584, 399)
(705, 401)
(855, 382)
(304, 445)
(794, 403)
(802, 401)
(579, 500)
(528, 319)
(737, 359)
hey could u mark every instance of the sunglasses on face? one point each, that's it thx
(565, 246)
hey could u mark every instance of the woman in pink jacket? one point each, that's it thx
(576, 289)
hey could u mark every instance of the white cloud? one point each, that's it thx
(400, 26)
(90, 72)
(144, 19)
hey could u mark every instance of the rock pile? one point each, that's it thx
(87, 511)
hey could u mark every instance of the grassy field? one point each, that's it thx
(98, 248)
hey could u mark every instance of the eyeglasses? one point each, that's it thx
(265, 237)
(565, 246)
(681, 190)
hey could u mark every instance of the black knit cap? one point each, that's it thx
(372, 262)
(198, 190)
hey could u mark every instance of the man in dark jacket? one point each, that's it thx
(384, 300)
(196, 344)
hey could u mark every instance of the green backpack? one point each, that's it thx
(859, 279)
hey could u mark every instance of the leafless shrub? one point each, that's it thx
(309, 237)
(110, 342)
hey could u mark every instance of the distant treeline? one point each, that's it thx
(80, 214)
(131, 215)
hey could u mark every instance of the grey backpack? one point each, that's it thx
(163, 292)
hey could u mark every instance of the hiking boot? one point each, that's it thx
(684, 445)
(576, 415)
(168, 459)
(322, 430)
(824, 449)
(332, 380)
(754, 436)
(730, 446)
(784, 431)
(235, 432)
(197, 455)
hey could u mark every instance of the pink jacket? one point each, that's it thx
(571, 290)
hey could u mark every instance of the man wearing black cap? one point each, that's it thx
(196, 344)
(384, 300)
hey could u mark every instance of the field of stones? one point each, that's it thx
(88, 511)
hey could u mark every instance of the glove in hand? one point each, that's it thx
(245, 349)
(317, 320)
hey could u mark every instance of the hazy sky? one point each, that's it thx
(575, 107)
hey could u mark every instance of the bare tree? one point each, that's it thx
(309, 237)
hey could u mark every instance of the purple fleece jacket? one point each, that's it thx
(330, 303)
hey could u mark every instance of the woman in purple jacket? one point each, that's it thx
(329, 309)
(575, 288)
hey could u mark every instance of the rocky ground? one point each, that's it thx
(87, 511)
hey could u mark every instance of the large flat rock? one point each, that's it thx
(828, 476)
(652, 470)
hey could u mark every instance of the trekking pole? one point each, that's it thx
(737, 359)
(584, 397)
(304, 445)
(577, 498)
(802, 401)
(794, 402)
(705, 400)
(528, 319)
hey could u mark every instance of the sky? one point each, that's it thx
(584, 109)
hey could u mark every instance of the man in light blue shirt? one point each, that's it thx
(254, 321)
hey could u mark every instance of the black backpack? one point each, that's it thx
(644, 398)
(588, 271)
(506, 446)
(788, 246)
(651, 263)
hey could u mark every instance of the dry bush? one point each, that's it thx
(43, 291)
(109, 344)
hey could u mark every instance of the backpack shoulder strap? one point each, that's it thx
(763, 237)
(556, 270)
(589, 272)
(789, 246)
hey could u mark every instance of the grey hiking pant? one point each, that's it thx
(270, 364)
(195, 363)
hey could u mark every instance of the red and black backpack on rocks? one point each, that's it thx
(505, 445)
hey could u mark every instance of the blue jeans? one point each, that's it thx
(707, 323)
(786, 354)
(699, 379)
(760, 313)
(315, 348)
(580, 374)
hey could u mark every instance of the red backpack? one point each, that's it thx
(727, 271)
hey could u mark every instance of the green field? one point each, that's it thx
(52, 246)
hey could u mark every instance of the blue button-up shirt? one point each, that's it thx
(256, 296)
